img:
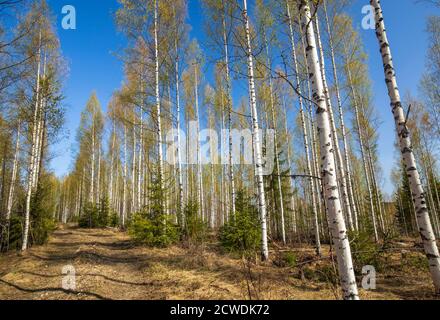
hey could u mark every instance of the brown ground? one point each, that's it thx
(109, 266)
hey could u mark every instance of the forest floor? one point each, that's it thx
(109, 266)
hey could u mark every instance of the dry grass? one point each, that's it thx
(109, 266)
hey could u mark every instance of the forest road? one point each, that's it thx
(105, 264)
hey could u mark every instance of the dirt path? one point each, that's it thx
(109, 266)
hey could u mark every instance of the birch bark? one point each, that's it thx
(342, 122)
(328, 167)
(229, 105)
(255, 130)
(303, 124)
(179, 155)
(417, 192)
(277, 161)
(31, 167)
(340, 165)
(158, 107)
(199, 160)
(14, 175)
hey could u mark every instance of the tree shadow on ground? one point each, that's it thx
(405, 289)
(53, 289)
(120, 245)
(88, 255)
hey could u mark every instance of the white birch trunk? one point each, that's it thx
(418, 195)
(303, 124)
(92, 161)
(179, 155)
(310, 173)
(225, 191)
(14, 175)
(40, 133)
(328, 167)
(187, 176)
(78, 200)
(31, 167)
(199, 160)
(112, 160)
(133, 165)
(212, 219)
(317, 183)
(37, 149)
(341, 170)
(255, 130)
(141, 146)
(289, 163)
(98, 178)
(124, 191)
(277, 162)
(229, 104)
(341, 121)
(158, 107)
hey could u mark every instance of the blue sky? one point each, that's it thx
(92, 55)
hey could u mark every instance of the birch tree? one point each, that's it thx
(353, 205)
(255, 131)
(341, 170)
(328, 167)
(309, 172)
(418, 194)
(44, 112)
(265, 22)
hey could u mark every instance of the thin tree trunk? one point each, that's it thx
(225, 215)
(341, 122)
(255, 130)
(229, 104)
(158, 107)
(317, 182)
(199, 160)
(289, 163)
(31, 167)
(98, 178)
(212, 219)
(431, 200)
(124, 192)
(277, 162)
(179, 155)
(362, 150)
(78, 200)
(40, 133)
(92, 160)
(83, 178)
(430, 175)
(375, 188)
(141, 146)
(133, 165)
(187, 175)
(14, 175)
(112, 160)
(310, 173)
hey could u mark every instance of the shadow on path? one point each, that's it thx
(149, 283)
(92, 294)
